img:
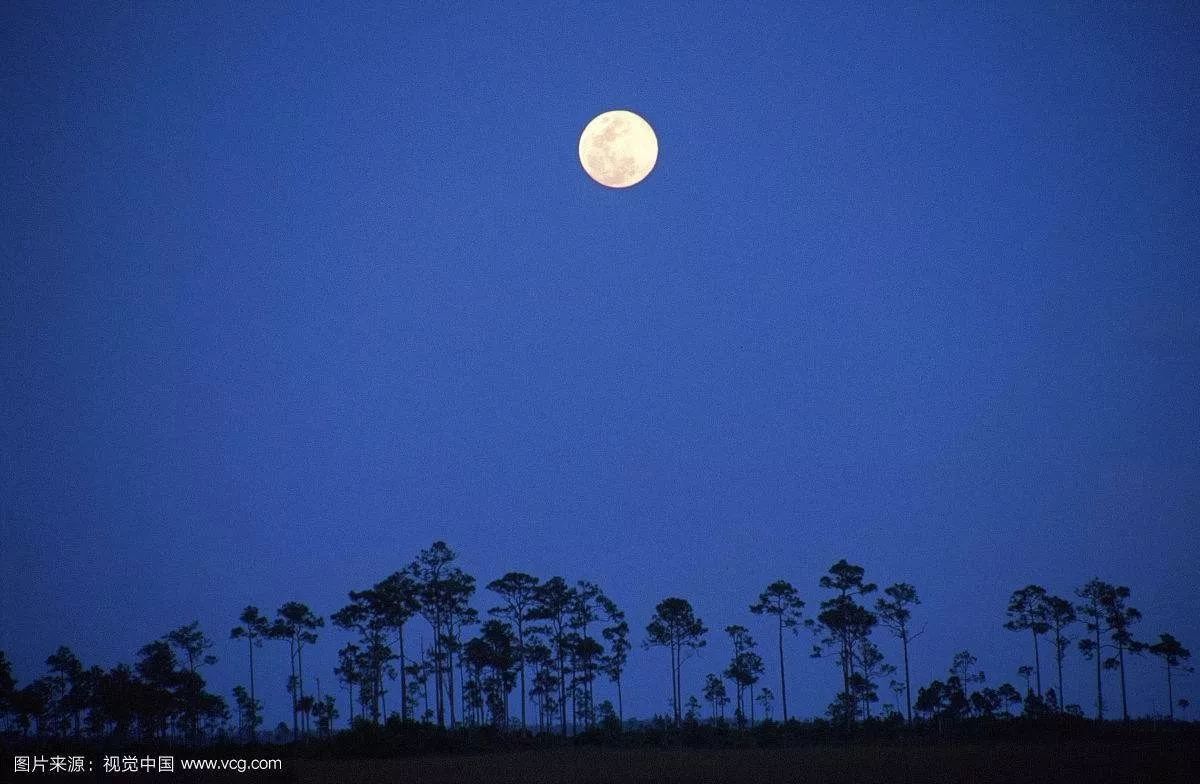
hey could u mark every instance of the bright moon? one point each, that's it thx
(618, 149)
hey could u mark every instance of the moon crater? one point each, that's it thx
(618, 149)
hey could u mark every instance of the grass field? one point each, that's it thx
(1091, 762)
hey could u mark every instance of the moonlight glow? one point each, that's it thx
(618, 149)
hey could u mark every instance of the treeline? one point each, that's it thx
(552, 645)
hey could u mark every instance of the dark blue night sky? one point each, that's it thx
(286, 295)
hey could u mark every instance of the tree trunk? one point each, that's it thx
(782, 678)
(450, 683)
(318, 702)
(562, 687)
(295, 718)
(382, 697)
(1037, 664)
(300, 684)
(378, 706)
(403, 678)
(437, 674)
(1170, 694)
(1124, 704)
(424, 685)
(907, 684)
(847, 664)
(253, 704)
(674, 689)
(521, 643)
(1058, 654)
(679, 686)
(462, 689)
(1099, 681)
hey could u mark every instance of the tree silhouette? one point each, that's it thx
(1027, 612)
(114, 708)
(349, 671)
(553, 601)
(744, 668)
(949, 701)
(30, 705)
(168, 693)
(781, 600)
(1059, 613)
(847, 624)
(1106, 612)
(1092, 610)
(616, 634)
(1120, 617)
(1174, 656)
(419, 673)
(491, 658)
(429, 571)
(366, 614)
(325, 711)
(1009, 696)
(767, 700)
(395, 602)
(460, 614)
(586, 652)
(8, 686)
(518, 592)
(193, 644)
(895, 613)
(987, 701)
(965, 667)
(714, 692)
(545, 683)
(443, 591)
(606, 717)
(871, 665)
(1026, 672)
(544, 636)
(676, 628)
(297, 624)
(254, 629)
(249, 711)
(156, 671)
(930, 698)
(897, 688)
(67, 700)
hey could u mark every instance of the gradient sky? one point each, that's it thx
(288, 294)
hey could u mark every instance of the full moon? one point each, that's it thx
(618, 149)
